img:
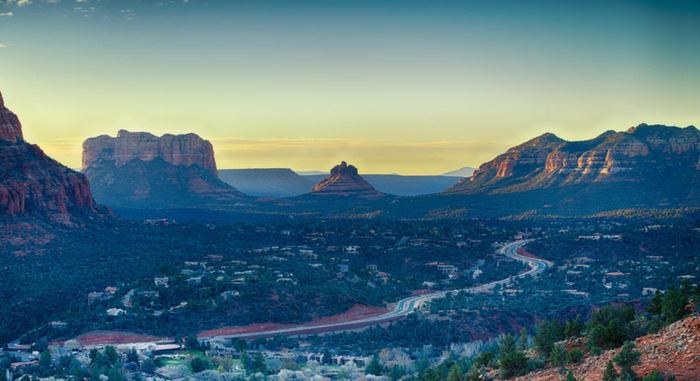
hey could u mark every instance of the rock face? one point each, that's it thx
(345, 181)
(10, 127)
(31, 182)
(642, 154)
(673, 351)
(183, 150)
(140, 170)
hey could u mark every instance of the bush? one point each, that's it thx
(574, 356)
(199, 364)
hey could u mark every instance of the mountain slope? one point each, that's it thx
(672, 351)
(656, 159)
(267, 182)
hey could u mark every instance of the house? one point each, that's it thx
(352, 249)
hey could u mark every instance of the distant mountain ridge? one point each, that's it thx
(653, 156)
(462, 172)
(267, 182)
(401, 185)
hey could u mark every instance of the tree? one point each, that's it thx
(507, 345)
(546, 334)
(610, 374)
(558, 355)
(40, 345)
(673, 305)
(116, 374)
(573, 328)
(240, 345)
(570, 377)
(199, 364)
(456, 373)
(396, 373)
(326, 356)
(192, 344)
(111, 354)
(522, 341)
(654, 376)
(654, 306)
(258, 365)
(485, 359)
(626, 358)
(374, 367)
(132, 356)
(45, 360)
(513, 364)
(245, 360)
(574, 356)
(148, 366)
(475, 374)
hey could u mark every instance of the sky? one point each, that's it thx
(409, 87)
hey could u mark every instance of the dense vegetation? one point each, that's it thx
(51, 279)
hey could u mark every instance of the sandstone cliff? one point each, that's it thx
(345, 181)
(30, 181)
(140, 170)
(10, 127)
(642, 154)
(185, 150)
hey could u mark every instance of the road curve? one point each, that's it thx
(404, 306)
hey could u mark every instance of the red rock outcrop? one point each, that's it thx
(345, 181)
(639, 154)
(185, 150)
(30, 181)
(673, 351)
(10, 127)
(140, 170)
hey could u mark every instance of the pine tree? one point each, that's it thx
(610, 374)
(456, 373)
(374, 367)
(570, 377)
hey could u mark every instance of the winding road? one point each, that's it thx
(404, 306)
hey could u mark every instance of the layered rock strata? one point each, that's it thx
(185, 150)
(32, 182)
(640, 154)
(344, 180)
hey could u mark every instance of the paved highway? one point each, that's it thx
(408, 305)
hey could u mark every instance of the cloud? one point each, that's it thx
(7, 14)
(27, 2)
(7, 45)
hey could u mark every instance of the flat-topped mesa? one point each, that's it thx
(345, 181)
(10, 127)
(185, 150)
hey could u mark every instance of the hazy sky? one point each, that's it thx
(413, 87)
